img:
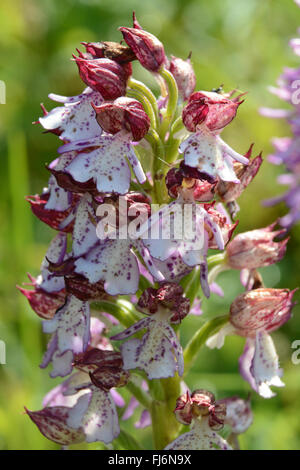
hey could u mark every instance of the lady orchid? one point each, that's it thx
(136, 196)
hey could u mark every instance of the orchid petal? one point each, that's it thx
(76, 119)
(113, 262)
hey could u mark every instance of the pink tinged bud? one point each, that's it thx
(194, 114)
(147, 48)
(261, 309)
(123, 113)
(213, 109)
(184, 75)
(103, 75)
(52, 423)
(256, 248)
(238, 414)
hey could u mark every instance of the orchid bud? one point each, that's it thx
(256, 248)
(52, 423)
(123, 113)
(212, 108)
(184, 75)
(261, 309)
(147, 48)
(103, 75)
(110, 50)
(194, 113)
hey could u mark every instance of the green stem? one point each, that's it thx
(215, 271)
(208, 329)
(215, 260)
(160, 189)
(164, 425)
(177, 125)
(144, 90)
(172, 101)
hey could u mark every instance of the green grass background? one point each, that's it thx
(241, 43)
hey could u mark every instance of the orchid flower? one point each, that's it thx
(136, 197)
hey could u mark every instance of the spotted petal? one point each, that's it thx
(76, 119)
(84, 233)
(207, 152)
(56, 253)
(61, 363)
(265, 365)
(113, 262)
(59, 198)
(201, 437)
(72, 325)
(96, 414)
(106, 165)
(158, 353)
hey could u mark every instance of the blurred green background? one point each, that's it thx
(241, 43)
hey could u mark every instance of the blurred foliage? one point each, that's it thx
(241, 44)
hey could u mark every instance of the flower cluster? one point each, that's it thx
(286, 149)
(143, 190)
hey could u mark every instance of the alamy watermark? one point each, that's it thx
(178, 221)
(2, 92)
(2, 352)
(296, 354)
